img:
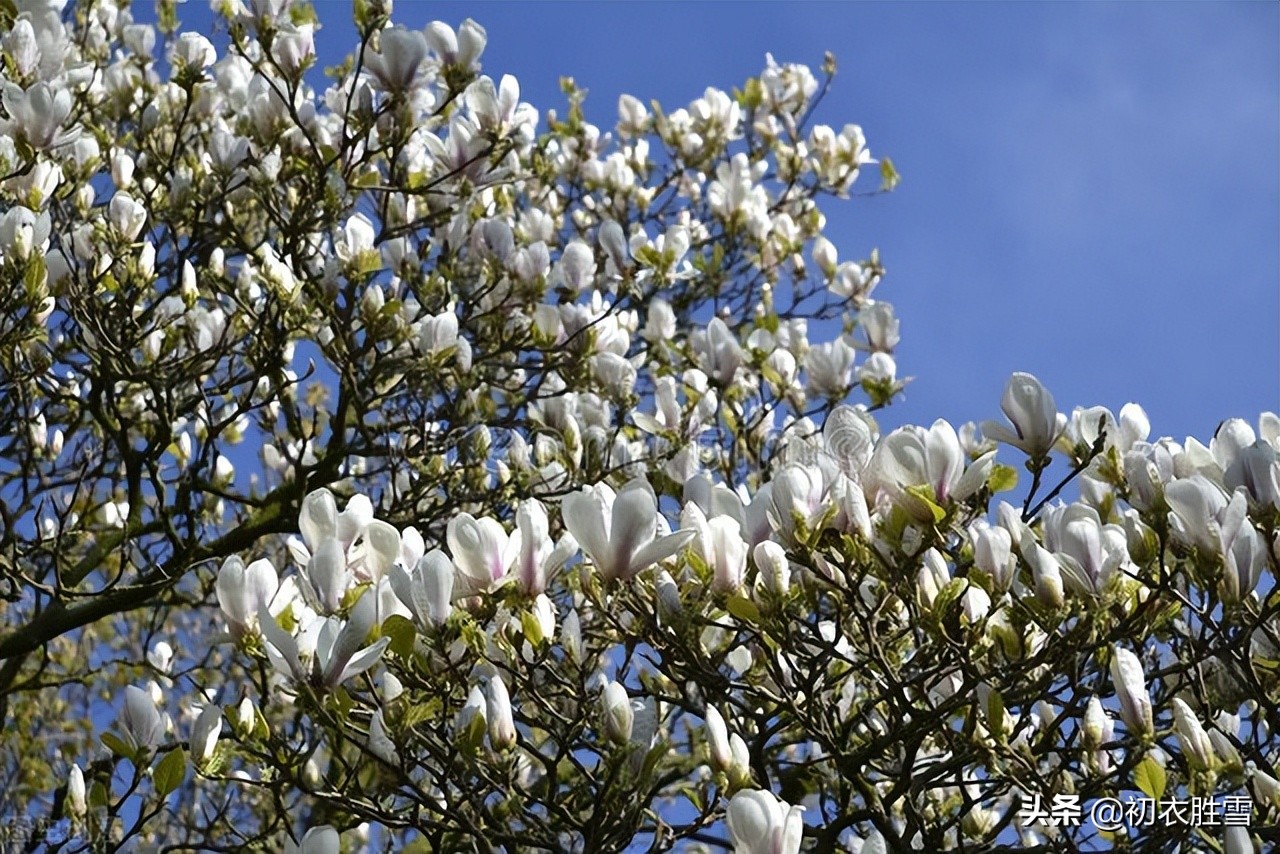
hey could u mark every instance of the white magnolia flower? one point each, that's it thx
(205, 732)
(718, 351)
(1202, 515)
(829, 368)
(1194, 741)
(914, 457)
(773, 568)
(502, 728)
(294, 47)
(619, 531)
(338, 653)
(1130, 685)
(76, 804)
(1088, 552)
(22, 231)
(396, 63)
(760, 823)
(796, 501)
(243, 591)
(718, 740)
(462, 48)
(617, 713)
(36, 114)
(577, 266)
(127, 215)
(482, 551)
(1031, 410)
(728, 554)
(194, 51)
(428, 591)
(142, 727)
(993, 554)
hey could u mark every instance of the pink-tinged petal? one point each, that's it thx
(583, 513)
(634, 522)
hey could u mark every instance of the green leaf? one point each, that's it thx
(402, 634)
(1002, 478)
(1150, 778)
(170, 772)
(97, 795)
(744, 609)
(924, 494)
(116, 745)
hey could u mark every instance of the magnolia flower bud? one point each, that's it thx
(194, 51)
(1095, 724)
(379, 742)
(390, 688)
(1227, 755)
(617, 712)
(204, 734)
(825, 256)
(718, 741)
(469, 727)
(471, 43)
(729, 554)
(740, 767)
(1046, 574)
(1131, 690)
(246, 717)
(75, 792)
(934, 575)
(577, 266)
(502, 727)
(614, 242)
(127, 215)
(541, 622)
(317, 840)
(774, 570)
(993, 554)
(571, 637)
(975, 604)
(142, 726)
(1034, 416)
(21, 230)
(1195, 743)
(668, 596)
(1266, 789)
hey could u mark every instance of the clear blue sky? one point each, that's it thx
(1090, 191)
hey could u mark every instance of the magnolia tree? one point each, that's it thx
(389, 464)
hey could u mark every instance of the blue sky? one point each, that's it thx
(1090, 191)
